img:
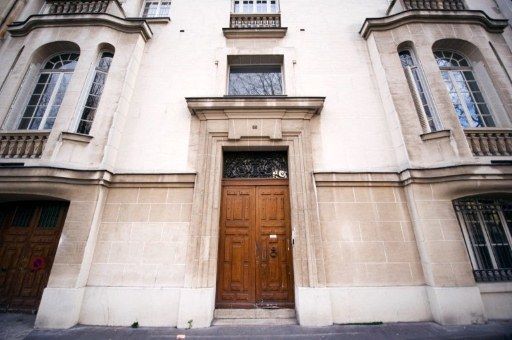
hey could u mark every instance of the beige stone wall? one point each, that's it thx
(143, 238)
(367, 237)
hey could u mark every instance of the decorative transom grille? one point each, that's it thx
(256, 164)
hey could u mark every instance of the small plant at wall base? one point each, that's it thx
(135, 324)
(190, 324)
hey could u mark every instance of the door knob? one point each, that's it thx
(273, 252)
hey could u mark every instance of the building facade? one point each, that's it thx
(168, 162)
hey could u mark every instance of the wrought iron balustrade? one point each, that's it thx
(452, 5)
(255, 20)
(28, 144)
(485, 142)
(76, 6)
(493, 275)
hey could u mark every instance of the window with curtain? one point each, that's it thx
(465, 93)
(255, 6)
(95, 92)
(487, 227)
(50, 88)
(155, 9)
(422, 97)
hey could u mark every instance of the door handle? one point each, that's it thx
(273, 252)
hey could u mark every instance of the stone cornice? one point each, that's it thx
(409, 176)
(432, 16)
(254, 33)
(250, 107)
(131, 26)
(94, 177)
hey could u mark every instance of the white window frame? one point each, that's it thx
(450, 71)
(255, 7)
(26, 100)
(283, 89)
(86, 90)
(488, 242)
(418, 71)
(158, 9)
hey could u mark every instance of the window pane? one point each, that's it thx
(248, 6)
(165, 8)
(261, 6)
(93, 99)
(22, 216)
(273, 7)
(477, 239)
(49, 216)
(255, 80)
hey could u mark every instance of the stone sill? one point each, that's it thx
(155, 20)
(436, 135)
(76, 137)
(255, 33)
(495, 287)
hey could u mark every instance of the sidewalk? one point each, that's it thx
(16, 326)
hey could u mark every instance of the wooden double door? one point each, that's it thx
(255, 250)
(29, 235)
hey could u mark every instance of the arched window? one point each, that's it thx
(421, 93)
(487, 227)
(466, 96)
(44, 102)
(95, 92)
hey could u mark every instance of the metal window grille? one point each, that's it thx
(487, 227)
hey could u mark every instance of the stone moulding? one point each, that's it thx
(252, 106)
(409, 176)
(129, 25)
(255, 33)
(432, 17)
(105, 178)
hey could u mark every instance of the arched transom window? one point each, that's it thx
(466, 96)
(46, 98)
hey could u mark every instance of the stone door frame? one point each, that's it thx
(262, 124)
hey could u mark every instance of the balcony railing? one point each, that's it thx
(397, 6)
(452, 5)
(76, 6)
(22, 144)
(255, 20)
(493, 275)
(490, 142)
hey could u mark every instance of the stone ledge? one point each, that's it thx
(432, 17)
(77, 137)
(131, 26)
(255, 33)
(436, 135)
(40, 174)
(255, 107)
(409, 176)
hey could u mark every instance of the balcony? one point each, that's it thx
(489, 142)
(22, 145)
(397, 6)
(82, 13)
(404, 12)
(243, 25)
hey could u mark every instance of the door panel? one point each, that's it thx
(29, 236)
(236, 250)
(274, 274)
(255, 262)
